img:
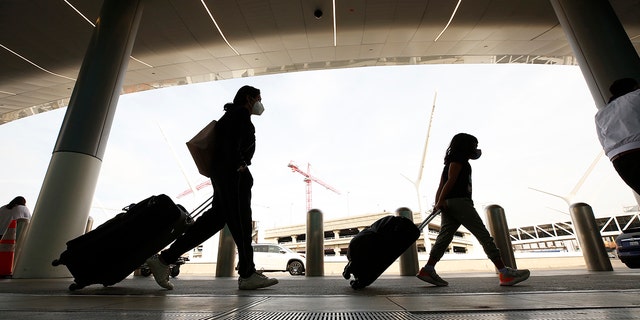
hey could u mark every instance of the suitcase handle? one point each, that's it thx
(201, 208)
(428, 219)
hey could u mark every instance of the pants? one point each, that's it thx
(460, 211)
(628, 167)
(231, 206)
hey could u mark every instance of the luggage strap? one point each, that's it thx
(428, 219)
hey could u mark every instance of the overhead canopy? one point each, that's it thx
(42, 42)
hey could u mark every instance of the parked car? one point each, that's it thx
(628, 247)
(274, 257)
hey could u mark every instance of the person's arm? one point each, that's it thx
(246, 142)
(445, 187)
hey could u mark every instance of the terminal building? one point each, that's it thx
(339, 232)
(540, 238)
(561, 236)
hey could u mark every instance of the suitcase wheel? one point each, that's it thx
(356, 285)
(347, 271)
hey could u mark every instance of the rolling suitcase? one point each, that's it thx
(375, 248)
(117, 247)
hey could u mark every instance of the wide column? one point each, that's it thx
(66, 194)
(601, 46)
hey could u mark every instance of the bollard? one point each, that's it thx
(226, 254)
(409, 265)
(589, 238)
(499, 230)
(315, 244)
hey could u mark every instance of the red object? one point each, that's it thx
(7, 249)
(308, 178)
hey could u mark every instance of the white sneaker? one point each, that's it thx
(255, 281)
(160, 271)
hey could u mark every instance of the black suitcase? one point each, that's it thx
(375, 248)
(117, 247)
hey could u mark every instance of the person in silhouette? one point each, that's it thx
(234, 143)
(16, 209)
(453, 198)
(618, 128)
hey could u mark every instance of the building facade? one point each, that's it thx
(339, 232)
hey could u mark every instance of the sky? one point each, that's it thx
(363, 132)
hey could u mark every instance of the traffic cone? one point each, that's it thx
(7, 249)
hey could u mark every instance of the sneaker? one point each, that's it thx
(432, 277)
(160, 271)
(255, 281)
(512, 276)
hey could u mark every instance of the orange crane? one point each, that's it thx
(308, 178)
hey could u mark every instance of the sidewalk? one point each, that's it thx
(566, 294)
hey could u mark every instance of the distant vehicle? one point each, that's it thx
(274, 257)
(628, 247)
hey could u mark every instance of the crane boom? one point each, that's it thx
(199, 186)
(308, 178)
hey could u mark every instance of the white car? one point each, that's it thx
(273, 257)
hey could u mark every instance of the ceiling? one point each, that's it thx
(42, 42)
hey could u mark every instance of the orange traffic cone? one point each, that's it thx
(7, 249)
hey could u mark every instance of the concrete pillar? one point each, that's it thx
(65, 198)
(499, 230)
(589, 238)
(315, 244)
(225, 265)
(409, 265)
(602, 47)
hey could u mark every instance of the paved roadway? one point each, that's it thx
(566, 294)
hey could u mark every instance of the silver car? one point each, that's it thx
(273, 257)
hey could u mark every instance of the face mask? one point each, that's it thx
(476, 154)
(257, 109)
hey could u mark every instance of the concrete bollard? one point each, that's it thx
(315, 244)
(409, 265)
(499, 230)
(589, 238)
(226, 254)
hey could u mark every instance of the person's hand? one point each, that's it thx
(440, 205)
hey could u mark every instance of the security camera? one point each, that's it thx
(317, 13)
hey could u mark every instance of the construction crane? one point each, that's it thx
(308, 178)
(199, 186)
